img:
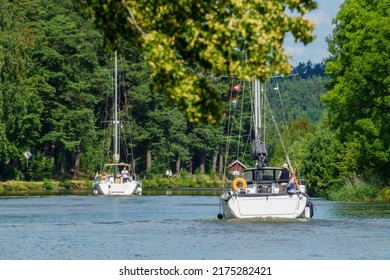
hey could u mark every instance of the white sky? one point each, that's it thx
(317, 50)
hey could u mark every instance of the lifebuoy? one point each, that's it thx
(238, 181)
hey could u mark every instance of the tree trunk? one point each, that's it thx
(148, 160)
(202, 166)
(133, 165)
(178, 163)
(76, 172)
(190, 166)
(53, 151)
(214, 166)
(220, 164)
(63, 162)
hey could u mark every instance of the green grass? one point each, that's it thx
(46, 184)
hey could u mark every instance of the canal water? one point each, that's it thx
(183, 227)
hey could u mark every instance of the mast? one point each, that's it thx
(257, 105)
(259, 149)
(116, 154)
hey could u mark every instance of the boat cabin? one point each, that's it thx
(262, 180)
(261, 174)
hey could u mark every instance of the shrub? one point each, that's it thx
(184, 180)
(385, 194)
(67, 184)
(149, 183)
(47, 184)
(355, 190)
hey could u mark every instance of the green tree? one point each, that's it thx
(206, 141)
(358, 98)
(20, 104)
(207, 33)
(55, 87)
(321, 160)
(66, 51)
(168, 127)
(297, 98)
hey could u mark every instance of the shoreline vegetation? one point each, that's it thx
(352, 191)
(199, 181)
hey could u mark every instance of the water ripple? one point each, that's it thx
(184, 227)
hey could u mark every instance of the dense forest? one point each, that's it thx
(56, 84)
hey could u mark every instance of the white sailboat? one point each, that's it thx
(117, 178)
(257, 192)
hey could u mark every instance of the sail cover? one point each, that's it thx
(259, 150)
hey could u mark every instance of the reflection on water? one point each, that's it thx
(359, 210)
(86, 191)
(177, 226)
(183, 191)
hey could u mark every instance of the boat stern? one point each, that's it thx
(284, 205)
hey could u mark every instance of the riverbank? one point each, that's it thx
(150, 187)
(196, 185)
(155, 183)
(46, 185)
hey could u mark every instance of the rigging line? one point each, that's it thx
(103, 130)
(126, 108)
(280, 135)
(125, 137)
(283, 112)
(228, 138)
(240, 125)
(251, 122)
(122, 95)
(132, 154)
(241, 117)
(107, 133)
(249, 135)
(123, 128)
(103, 150)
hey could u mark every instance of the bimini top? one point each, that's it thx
(119, 164)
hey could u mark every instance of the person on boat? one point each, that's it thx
(125, 172)
(283, 178)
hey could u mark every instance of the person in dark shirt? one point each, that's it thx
(283, 178)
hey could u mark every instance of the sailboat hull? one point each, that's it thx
(107, 188)
(286, 205)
